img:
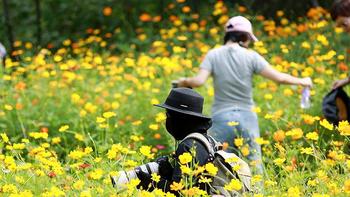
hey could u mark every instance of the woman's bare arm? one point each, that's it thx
(196, 81)
(279, 77)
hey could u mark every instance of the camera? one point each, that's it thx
(124, 177)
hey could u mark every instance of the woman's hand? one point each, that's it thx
(340, 83)
(306, 82)
(182, 82)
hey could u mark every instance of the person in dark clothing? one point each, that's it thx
(184, 116)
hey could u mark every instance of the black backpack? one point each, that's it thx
(330, 109)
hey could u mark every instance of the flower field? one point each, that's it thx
(71, 117)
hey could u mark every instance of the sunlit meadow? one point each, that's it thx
(70, 118)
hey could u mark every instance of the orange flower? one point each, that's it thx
(301, 28)
(260, 18)
(343, 67)
(20, 86)
(203, 23)
(107, 11)
(145, 17)
(157, 136)
(242, 9)
(186, 9)
(173, 18)
(195, 16)
(89, 30)
(19, 106)
(279, 136)
(50, 46)
(157, 18)
(225, 145)
(108, 35)
(44, 130)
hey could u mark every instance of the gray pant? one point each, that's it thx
(247, 128)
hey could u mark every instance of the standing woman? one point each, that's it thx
(340, 13)
(232, 67)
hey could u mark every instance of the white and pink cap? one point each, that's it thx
(240, 23)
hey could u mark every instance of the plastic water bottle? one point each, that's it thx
(305, 102)
(2, 51)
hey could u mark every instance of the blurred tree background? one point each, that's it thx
(49, 22)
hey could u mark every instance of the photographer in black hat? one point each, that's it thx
(184, 116)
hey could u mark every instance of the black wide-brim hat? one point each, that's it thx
(185, 101)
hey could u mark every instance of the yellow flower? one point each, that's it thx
(79, 137)
(176, 186)
(76, 154)
(309, 119)
(287, 92)
(146, 151)
(155, 177)
(56, 140)
(19, 179)
(203, 179)
(268, 96)
(154, 101)
(185, 158)
(100, 120)
(320, 195)
(85, 193)
(232, 123)
(312, 136)
(307, 151)
(154, 127)
(344, 128)
(88, 150)
(305, 45)
(108, 115)
(261, 141)
(9, 188)
(130, 163)
(8, 107)
(96, 174)
(19, 146)
(185, 169)
(294, 192)
(211, 169)
(78, 185)
(326, 124)
(63, 128)
(347, 186)
(199, 170)
(160, 117)
(234, 185)
(279, 161)
(270, 183)
(38, 135)
(238, 142)
(75, 98)
(245, 150)
(4, 137)
(296, 133)
(256, 109)
(312, 182)
(136, 123)
(322, 39)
